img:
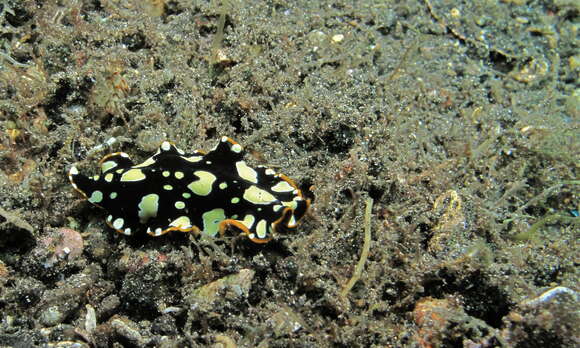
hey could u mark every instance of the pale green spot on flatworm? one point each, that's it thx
(261, 229)
(96, 197)
(133, 175)
(202, 186)
(249, 221)
(211, 220)
(146, 163)
(109, 177)
(148, 207)
(247, 173)
(193, 159)
(108, 165)
(256, 195)
(282, 186)
(118, 223)
(181, 222)
(237, 148)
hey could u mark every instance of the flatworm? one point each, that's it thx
(199, 192)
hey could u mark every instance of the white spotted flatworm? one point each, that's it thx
(200, 192)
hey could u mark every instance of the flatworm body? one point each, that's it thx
(200, 192)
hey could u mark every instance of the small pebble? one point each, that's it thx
(60, 244)
(90, 319)
(337, 38)
(51, 316)
(124, 327)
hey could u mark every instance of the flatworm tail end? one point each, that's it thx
(80, 182)
(77, 180)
